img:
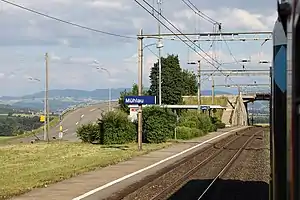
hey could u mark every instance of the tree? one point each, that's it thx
(134, 92)
(175, 82)
(190, 82)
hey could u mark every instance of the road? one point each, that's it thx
(70, 123)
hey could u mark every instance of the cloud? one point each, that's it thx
(107, 4)
(26, 37)
(233, 19)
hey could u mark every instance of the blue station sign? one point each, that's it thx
(144, 100)
(204, 107)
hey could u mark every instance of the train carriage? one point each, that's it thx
(285, 143)
(293, 126)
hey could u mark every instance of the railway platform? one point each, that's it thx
(107, 181)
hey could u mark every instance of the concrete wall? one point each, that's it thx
(228, 113)
(240, 115)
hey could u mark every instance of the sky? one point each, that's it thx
(74, 52)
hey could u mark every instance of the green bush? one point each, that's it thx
(217, 122)
(185, 133)
(158, 124)
(115, 128)
(195, 119)
(88, 132)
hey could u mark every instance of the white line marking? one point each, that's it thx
(93, 109)
(150, 166)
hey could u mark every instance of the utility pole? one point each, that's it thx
(46, 103)
(140, 79)
(199, 85)
(159, 51)
(212, 90)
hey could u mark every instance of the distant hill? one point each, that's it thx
(5, 109)
(99, 94)
(62, 99)
(217, 92)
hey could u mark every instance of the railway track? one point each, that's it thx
(211, 163)
(210, 191)
(219, 162)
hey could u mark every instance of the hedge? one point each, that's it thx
(116, 128)
(113, 128)
(195, 119)
(88, 133)
(158, 124)
(186, 133)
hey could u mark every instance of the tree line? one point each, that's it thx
(159, 124)
(16, 125)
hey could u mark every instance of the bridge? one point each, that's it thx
(251, 97)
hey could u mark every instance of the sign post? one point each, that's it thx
(140, 100)
(143, 100)
(61, 133)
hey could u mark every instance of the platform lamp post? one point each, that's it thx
(99, 67)
(46, 110)
(199, 83)
(158, 45)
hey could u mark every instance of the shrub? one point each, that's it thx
(88, 132)
(158, 124)
(195, 119)
(186, 133)
(115, 128)
(217, 122)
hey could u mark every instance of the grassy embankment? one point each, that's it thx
(24, 167)
(52, 124)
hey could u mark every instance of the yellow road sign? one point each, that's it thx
(60, 128)
(42, 118)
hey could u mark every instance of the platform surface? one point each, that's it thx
(105, 181)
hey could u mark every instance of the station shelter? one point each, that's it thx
(204, 108)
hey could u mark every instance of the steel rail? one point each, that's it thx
(161, 194)
(228, 165)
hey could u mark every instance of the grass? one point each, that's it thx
(52, 124)
(3, 138)
(24, 167)
(262, 124)
(222, 101)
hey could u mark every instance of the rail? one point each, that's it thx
(227, 166)
(189, 173)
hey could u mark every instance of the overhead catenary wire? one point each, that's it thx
(68, 22)
(234, 58)
(216, 22)
(178, 35)
(199, 13)
(176, 29)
